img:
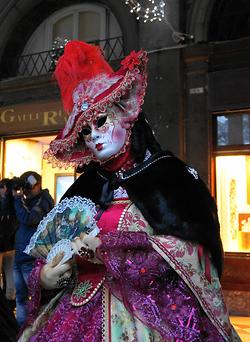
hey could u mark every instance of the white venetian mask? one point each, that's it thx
(105, 136)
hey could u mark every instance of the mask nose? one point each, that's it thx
(94, 135)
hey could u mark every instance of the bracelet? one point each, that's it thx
(62, 282)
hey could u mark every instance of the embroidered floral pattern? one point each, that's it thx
(81, 290)
(125, 327)
(209, 295)
(183, 258)
(133, 220)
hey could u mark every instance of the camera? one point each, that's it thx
(19, 183)
(26, 182)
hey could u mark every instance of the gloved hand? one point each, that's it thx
(85, 246)
(55, 276)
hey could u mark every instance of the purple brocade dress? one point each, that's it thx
(141, 297)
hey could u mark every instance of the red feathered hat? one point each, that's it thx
(88, 86)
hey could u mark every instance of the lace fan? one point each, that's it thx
(68, 219)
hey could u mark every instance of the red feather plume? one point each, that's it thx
(80, 61)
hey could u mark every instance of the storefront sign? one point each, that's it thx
(32, 117)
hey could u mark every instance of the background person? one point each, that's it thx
(8, 226)
(152, 273)
(31, 205)
(8, 323)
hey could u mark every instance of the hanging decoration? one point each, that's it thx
(153, 11)
(57, 51)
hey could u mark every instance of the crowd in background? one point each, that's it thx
(23, 204)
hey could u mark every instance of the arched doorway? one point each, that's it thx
(198, 19)
(229, 20)
(219, 20)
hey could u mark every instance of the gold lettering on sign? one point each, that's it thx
(6, 116)
(20, 117)
(63, 115)
(49, 118)
(31, 117)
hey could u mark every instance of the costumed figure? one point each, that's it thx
(152, 272)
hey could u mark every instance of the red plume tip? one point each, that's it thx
(80, 61)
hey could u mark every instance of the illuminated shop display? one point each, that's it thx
(24, 154)
(232, 165)
(233, 199)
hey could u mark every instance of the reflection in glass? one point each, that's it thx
(62, 183)
(233, 129)
(63, 28)
(222, 130)
(89, 26)
(246, 128)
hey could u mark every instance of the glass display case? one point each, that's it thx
(233, 200)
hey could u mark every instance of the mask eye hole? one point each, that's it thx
(101, 121)
(85, 131)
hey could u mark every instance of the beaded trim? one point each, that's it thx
(139, 169)
(85, 300)
(132, 174)
(119, 173)
(120, 222)
(105, 314)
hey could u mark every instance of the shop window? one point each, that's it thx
(233, 199)
(233, 129)
(232, 165)
(26, 154)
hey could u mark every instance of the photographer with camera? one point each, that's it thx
(31, 205)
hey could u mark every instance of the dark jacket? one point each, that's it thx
(30, 212)
(8, 222)
(8, 324)
(170, 194)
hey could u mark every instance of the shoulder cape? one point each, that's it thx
(170, 194)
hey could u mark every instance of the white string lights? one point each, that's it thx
(153, 11)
